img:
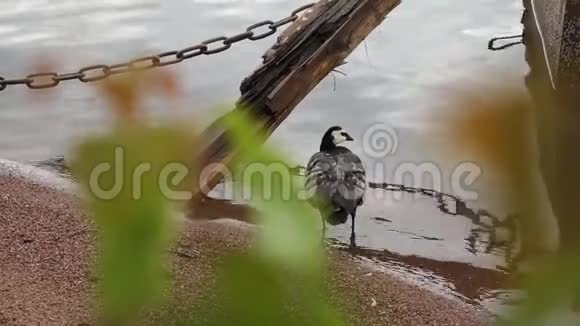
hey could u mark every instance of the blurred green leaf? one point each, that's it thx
(136, 220)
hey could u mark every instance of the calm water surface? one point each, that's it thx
(402, 76)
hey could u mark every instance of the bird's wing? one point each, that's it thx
(352, 185)
(338, 178)
(322, 175)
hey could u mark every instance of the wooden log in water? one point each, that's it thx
(319, 41)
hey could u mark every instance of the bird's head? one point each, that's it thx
(334, 136)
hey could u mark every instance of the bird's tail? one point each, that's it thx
(336, 217)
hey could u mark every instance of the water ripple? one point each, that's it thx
(65, 22)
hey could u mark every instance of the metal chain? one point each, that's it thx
(211, 46)
(445, 204)
(409, 189)
(442, 199)
(492, 47)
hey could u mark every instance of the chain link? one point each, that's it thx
(40, 81)
(93, 73)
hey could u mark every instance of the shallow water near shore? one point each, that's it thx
(402, 76)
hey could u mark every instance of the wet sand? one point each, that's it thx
(49, 246)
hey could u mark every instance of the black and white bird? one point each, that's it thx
(337, 178)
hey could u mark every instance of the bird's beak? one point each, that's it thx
(349, 138)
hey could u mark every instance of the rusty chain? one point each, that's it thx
(211, 46)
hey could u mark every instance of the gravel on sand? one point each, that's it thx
(47, 276)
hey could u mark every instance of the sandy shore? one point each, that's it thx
(48, 248)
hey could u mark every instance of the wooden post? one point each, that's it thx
(304, 54)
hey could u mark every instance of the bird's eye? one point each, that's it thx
(343, 133)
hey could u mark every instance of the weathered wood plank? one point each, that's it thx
(557, 24)
(305, 53)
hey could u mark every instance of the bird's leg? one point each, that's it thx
(352, 233)
(323, 232)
